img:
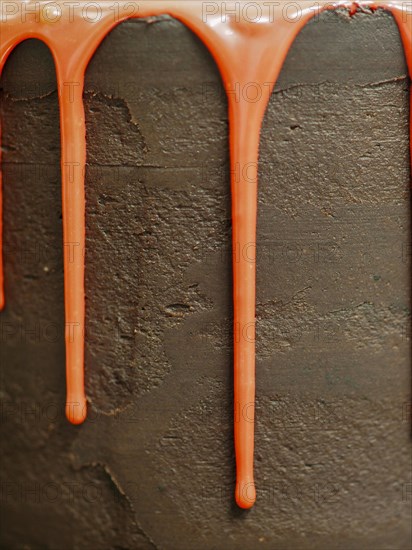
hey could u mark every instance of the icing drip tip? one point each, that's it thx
(245, 494)
(76, 410)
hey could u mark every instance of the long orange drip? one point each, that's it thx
(249, 45)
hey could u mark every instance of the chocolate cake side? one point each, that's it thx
(153, 466)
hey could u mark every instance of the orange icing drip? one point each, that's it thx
(249, 45)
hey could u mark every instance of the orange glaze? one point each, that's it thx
(249, 41)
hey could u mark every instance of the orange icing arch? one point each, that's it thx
(249, 45)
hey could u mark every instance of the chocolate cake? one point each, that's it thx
(153, 466)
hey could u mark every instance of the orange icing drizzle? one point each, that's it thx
(249, 42)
